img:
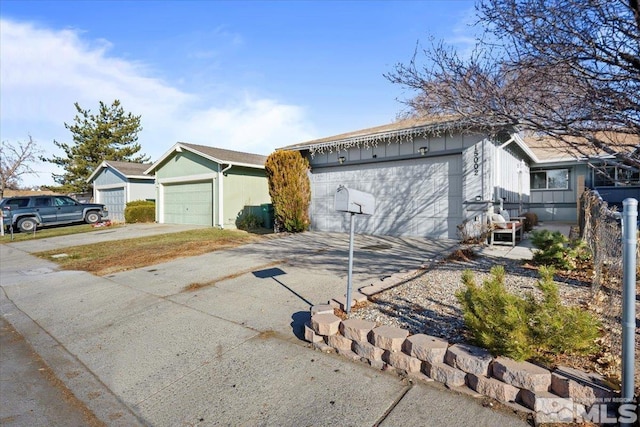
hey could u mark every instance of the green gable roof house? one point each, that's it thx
(201, 185)
(116, 183)
(430, 175)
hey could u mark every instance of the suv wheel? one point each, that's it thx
(92, 217)
(27, 225)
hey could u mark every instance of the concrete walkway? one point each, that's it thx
(138, 349)
(524, 249)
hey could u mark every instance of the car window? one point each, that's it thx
(64, 201)
(17, 203)
(43, 201)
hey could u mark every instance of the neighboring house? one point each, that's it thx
(431, 175)
(559, 178)
(201, 185)
(117, 183)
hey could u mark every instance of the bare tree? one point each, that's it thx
(566, 70)
(15, 161)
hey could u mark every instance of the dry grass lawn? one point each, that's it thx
(43, 233)
(111, 257)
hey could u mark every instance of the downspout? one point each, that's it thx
(221, 194)
(159, 199)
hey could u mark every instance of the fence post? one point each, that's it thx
(629, 247)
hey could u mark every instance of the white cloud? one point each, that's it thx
(253, 125)
(465, 32)
(44, 71)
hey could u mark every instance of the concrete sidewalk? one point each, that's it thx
(138, 349)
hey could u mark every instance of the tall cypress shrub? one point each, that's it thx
(290, 190)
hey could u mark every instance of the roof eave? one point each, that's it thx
(244, 165)
(221, 161)
(97, 170)
(139, 177)
(178, 147)
(165, 156)
(445, 126)
(523, 145)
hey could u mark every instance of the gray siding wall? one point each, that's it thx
(511, 179)
(396, 150)
(558, 205)
(108, 177)
(477, 189)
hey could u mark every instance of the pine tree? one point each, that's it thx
(111, 134)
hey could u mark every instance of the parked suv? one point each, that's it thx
(28, 212)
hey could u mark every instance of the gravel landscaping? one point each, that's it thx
(426, 303)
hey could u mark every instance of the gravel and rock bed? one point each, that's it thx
(426, 303)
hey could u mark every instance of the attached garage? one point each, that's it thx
(114, 198)
(208, 186)
(431, 206)
(430, 176)
(117, 183)
(189, 203)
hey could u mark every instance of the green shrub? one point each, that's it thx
(249, 221)
(530, 220)
(141, 203)
(496, 318)
(555, 328)
(521, 328)
(140, 211)
(290, 190)
(555, 249)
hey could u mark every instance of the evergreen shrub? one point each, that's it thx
(140, 211)
(555, 249)
(290, 190)
(249, 221)
(525, 328)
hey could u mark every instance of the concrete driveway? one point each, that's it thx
(138, 348)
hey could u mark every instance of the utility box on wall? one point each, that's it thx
(354, 201)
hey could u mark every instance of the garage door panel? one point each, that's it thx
(188, 203)
(323, 190)
(114, 199)
(417, 197)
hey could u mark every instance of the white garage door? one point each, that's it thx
(189, 203)
(416, 197)
(115, 200)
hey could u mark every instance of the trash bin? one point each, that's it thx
(268, 217)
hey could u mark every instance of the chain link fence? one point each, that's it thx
(601, 229)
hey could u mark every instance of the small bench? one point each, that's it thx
(502, 224)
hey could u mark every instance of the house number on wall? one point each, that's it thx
(476, 161)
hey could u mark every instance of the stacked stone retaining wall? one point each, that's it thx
(565, 395)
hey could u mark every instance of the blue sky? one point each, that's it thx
(248, 76)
